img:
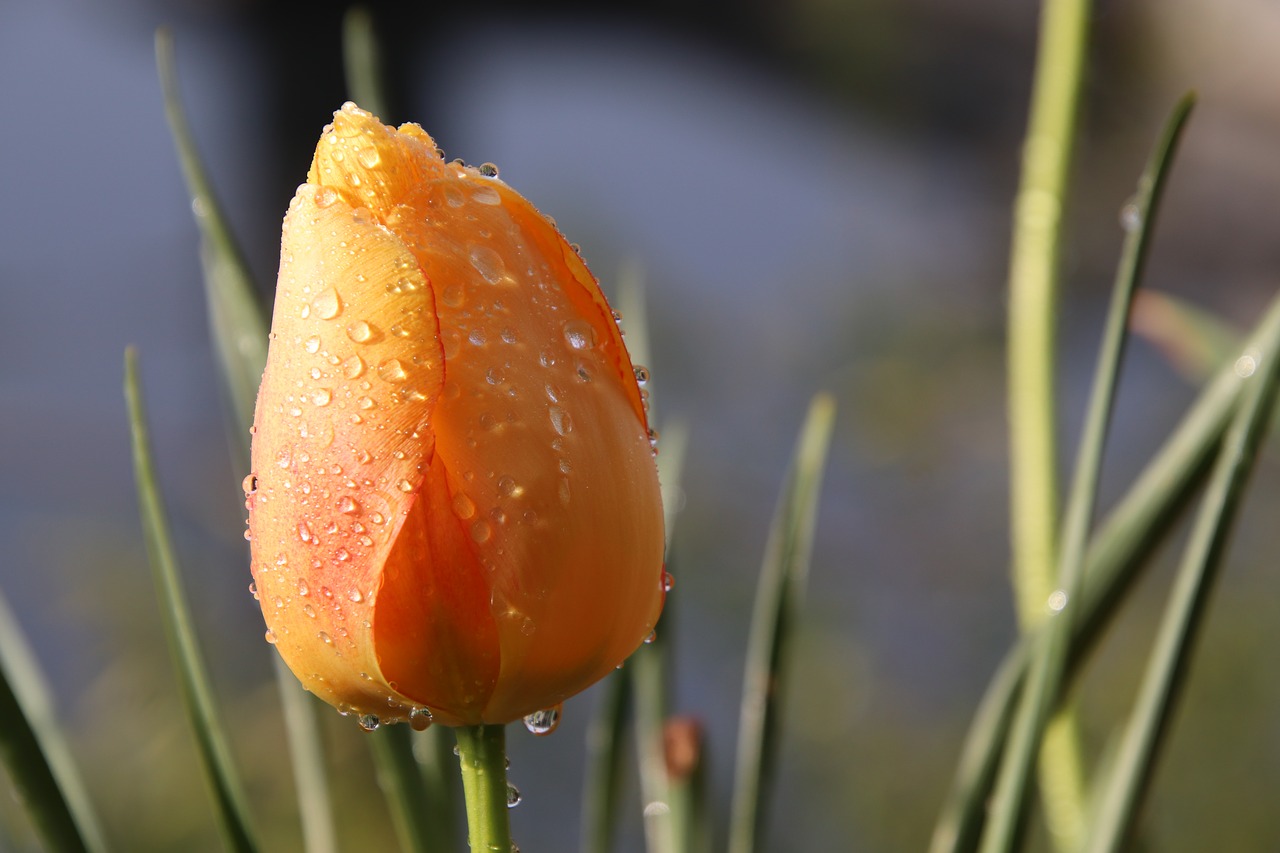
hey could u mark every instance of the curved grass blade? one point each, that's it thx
(402, 783)
(236, 317)
(1040, 696)
(606, 743)
(362, 63)
(433, 750)
(1117, 554)
(1166, 671)
(35, 752)
(238, 327)
(193, 679)
(778, 596)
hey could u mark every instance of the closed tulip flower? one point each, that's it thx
(454, 507)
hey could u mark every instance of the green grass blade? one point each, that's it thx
(442, 786)
(220, 773)
(302, 729)
(1167, 667)
(1040, 697)
(649, 676)
(606, 754)
(778, 595)
(362, 62)
(1195, 341)
(1117, 553)
(36, 754)
(402, 783)
(237, 321)
(238, 327)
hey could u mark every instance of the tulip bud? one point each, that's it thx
(454, 508)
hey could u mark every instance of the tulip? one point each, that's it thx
(454, 508)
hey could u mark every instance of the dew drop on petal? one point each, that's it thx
(360, 331)
(369, 722)
(560, 421)
(579, 334)
(513, 796)
(392, 370)
(419, 718)
(543, 722)
(312, 344)
(327, 304)
(271, 637)
(668, 582)
(488, 263)
(353, 367)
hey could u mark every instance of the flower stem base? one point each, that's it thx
(482, 757)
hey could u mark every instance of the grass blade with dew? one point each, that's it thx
(1161, 686)
(1117, 554)
(35, 752)
(361, 59)
(402, 784)
(238, 327)
(778, 594)
(197, 695)
(1042, 688)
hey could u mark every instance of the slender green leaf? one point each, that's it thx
(778, 595)
(433, 750)
(606, 742)
(238, 327)
(649, 674)
(236, 317)
(302, 729)
(1193, 339)
(215, 755)
(1040, 697)
(362, 60)
(1034, 272)
(403, 785)
(36, 753)
(1167, 667)
(1117, 554)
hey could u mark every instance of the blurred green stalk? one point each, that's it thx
(1033, 286)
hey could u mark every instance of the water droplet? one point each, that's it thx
(327, 304)
(312, 344)
(253, 590)
(271, 637)
(303, 589)
(509, 488)
(489, 170)
(667, 581)
(487, 195)
(366, 403)
(309, 610)
(488, 263)
(564, 491)
(369, 156)
(1130, 216)
(543, 722)
(353, 367)
(348, 505)
(513, 796)
(250, 485)
(641, 374)
(494, 376)
(304, 532)
(1057, 600)
(653, 635)
(1246, 365)
(481, 531)
(477, 337)
(419, 719)
(369, 722)
(322, 397)
(463, 506)
(579, 334)
(392, 370)
(560, 420)
(325, 638)
(342, 555)
(325, 196)
(404, 486)
(360, 332)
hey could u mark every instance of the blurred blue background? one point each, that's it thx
(817, 193)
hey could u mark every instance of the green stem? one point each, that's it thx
(1033, 278)
(482, 756)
